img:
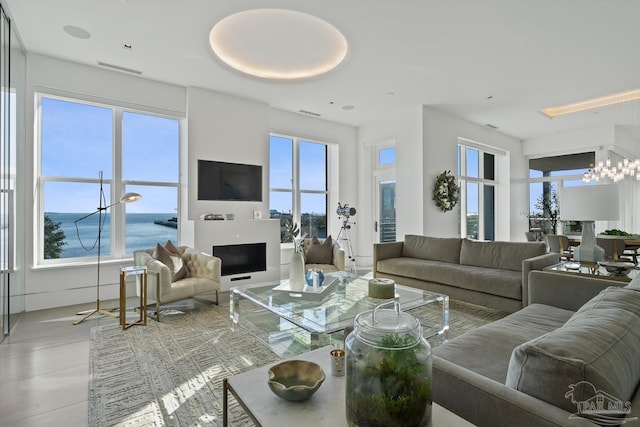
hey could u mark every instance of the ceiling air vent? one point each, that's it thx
(490, 126)
(310, 113)
(119, 68)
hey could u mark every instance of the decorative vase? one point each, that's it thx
(296, 272)
(309, 275)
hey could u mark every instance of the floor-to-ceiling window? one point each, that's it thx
(478, 183)
(299, 188)
(385, 197)
(87, 146)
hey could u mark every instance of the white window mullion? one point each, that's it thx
(117, 189)
(297, 209)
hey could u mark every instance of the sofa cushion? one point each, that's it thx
(432, 248)
(595, 352)
(319, 252)
(486, 350)
(502, 255)
(173, 261)
(504, 283)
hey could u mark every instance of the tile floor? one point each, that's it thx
(44, 367)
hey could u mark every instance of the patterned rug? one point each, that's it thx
(170, 373)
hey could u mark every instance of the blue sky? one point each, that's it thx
(313, 158)
(77, 143)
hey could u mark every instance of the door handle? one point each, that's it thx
(375, 226)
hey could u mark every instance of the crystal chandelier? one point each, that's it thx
(624, 168)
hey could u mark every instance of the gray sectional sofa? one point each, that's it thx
(571, 357)
(493, 274)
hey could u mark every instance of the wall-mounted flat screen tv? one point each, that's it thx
(229, 181)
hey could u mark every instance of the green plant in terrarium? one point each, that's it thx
(390, 385)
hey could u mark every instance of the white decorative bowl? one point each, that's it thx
(617, 268)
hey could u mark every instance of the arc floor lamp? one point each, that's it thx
(102, 208)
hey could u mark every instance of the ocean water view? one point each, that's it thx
(141, 232)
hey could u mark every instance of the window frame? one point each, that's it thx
(117, 184)
(481, 182)
(295, 190)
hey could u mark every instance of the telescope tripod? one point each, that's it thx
(344, 235)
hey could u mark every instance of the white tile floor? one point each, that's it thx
(44, 368)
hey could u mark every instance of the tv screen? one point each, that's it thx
(229, 181)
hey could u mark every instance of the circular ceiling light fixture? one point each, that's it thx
(278, 44)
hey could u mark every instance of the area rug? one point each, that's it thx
(170, 373)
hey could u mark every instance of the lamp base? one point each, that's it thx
(97, 310)
(588, 251)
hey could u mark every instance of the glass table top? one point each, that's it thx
(593, 270)
(337, 309)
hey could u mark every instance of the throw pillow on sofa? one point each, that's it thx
(171, 257)
(597, 347)
(320, 252)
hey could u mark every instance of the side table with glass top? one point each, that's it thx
(141, 277)
(590, 269)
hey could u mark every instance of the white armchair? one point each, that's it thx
(335, 263)
(203, 276)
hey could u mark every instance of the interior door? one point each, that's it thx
(385, 221)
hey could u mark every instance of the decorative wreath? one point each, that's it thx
(445, 191)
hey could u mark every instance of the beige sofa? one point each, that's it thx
(569, 356)
(493, 274)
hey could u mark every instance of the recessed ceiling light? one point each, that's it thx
(589, 104)
(77, 32)
(278, 44)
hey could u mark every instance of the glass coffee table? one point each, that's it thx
(291, 323)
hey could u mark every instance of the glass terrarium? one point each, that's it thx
(388, 370)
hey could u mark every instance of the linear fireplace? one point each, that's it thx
(243, 258)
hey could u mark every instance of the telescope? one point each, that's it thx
(345, 210)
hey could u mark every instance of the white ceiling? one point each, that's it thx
(492, 62)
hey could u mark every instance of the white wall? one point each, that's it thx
(404, 129)
(576, 141)
(60, 286)
(227, 129)
(218, 126)
(441, 134)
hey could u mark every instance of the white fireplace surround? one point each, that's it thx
(237, 232)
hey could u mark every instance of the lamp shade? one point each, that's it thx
(130, 197)
(590, 203)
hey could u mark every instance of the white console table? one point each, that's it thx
(242, 231)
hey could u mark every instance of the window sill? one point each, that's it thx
(83, 263)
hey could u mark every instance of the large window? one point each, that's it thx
(298, 186)
(131, 151)
(546, 176)
(385, 197)
(477, 172)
